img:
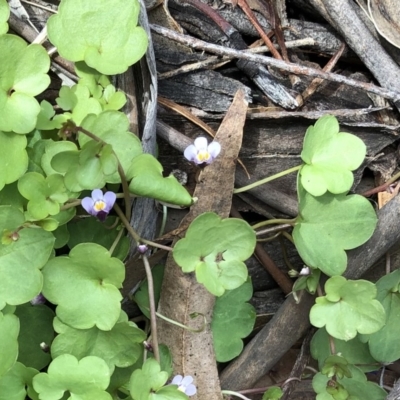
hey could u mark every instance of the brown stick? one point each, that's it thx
(285, 66)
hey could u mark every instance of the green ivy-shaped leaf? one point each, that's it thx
(330, 224)
(23, 75)
(330, 156)
(97, 163)
(17, 383)
(9, 329)
(113, 128)
(273, 393)
(86, 379)
(148, 383)
(142, 295)
(67, 163)
(215, 249)
(92, 32)
(112, 99)
(384, 345)
(50, 150)
(148, 181)
(45, 195)
(85, 285)
(4, 15)
(347, 308)
(21, 258)
(78, 100)
(13, 157)
(47, 118)
(353, 350)
(357, 387)
(62, 236)
(233, 319)
(119, 347)
(91, 78)
(36, 328)
(94, 231)
(10, 195)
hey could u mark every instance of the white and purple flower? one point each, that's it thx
(99, 205)
(201, 152)
(185, 384)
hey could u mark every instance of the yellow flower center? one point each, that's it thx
(203, 156)
(99, 205)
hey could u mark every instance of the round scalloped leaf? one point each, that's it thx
(330, 224)
(86, 379)
(45, 195)
(94, 231)
(21, 258)
(85, 287)
(233, 319)
(91, 31)
(384, 345)
(78, 100)
(354, 351)
(36, 328)
(148, 383)
(47, 118)
(4, 15)
(357, 386)
(113, 128)
(148, 181)
(273, 393)
(17, 383)
(347, 308)
(51, 149)
(330, 156)
(23, 75)
(9, 329)
(10, 195)
(13, 157)
(119, 347)
(215, 249)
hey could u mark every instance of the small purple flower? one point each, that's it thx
(201, 152)
(142, 248)
(99, 205)
(185, 384)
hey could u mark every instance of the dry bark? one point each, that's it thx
(193, 353)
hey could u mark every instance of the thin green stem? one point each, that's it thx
(134, 234)
(121, 172)
(171, 321)
(152, 305)
(266, 180)
(269, 239)
(288, 236)
(164, 220)
(232, 393)
(274, 221)
(116, 241)
(274, 229)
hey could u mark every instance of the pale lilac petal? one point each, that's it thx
(109, 198)
(37, 300)
(190, 153)
(97, 194)
(214, 148)
(177, 380)
(186, 381)
(88, 204)
(190, 390)
(201, 143)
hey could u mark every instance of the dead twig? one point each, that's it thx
(290, 67)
